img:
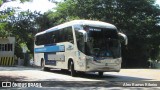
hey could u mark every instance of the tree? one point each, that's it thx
(20, 25)
(23, 25)
(4, 19)
(1, 2)
(24, 28)
(137, 18)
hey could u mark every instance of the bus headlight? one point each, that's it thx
(118, 61)
(89, 58)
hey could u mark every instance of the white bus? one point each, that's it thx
(80, 45)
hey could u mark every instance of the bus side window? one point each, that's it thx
(53, 37)
(57, 40)
(80, 41)
(45, 40)
(61, 35)
(69, 34)
(70, 38)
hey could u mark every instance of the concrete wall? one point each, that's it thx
(7, 48)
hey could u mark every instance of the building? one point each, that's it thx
(7, 48)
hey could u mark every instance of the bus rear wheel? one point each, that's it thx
(73, 72)
(43, 66)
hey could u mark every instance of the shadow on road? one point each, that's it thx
(107, 80)
(105, 77)
(10, 78)
(92, 76)
(17, 68)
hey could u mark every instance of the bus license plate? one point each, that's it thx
(110, 62)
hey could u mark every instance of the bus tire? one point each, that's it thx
(100, 74)
(64, 70)
(73, 72)
(43, 66)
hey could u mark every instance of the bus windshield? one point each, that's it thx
(102, 42)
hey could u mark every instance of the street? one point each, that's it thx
(35, 74)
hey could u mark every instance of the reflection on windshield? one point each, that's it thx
(102, 42)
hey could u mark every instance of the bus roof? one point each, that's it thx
(79, 22)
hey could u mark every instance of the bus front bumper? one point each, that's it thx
(107, 65)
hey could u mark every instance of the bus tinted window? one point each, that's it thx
(68, 35)
(63, 35)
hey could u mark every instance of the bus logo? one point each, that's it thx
(69, 47)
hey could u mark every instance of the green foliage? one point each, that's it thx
(4, 20)
(24, 28)
(26, 1)
(2, 31)
(137, 18)
(20, 25)
(1, 2)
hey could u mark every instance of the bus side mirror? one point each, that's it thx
(83, 34)
(124, 38)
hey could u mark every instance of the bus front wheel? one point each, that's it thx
(73, 72)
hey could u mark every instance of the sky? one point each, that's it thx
(38, 5)
(158, 2)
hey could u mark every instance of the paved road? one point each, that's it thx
(35, 74)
